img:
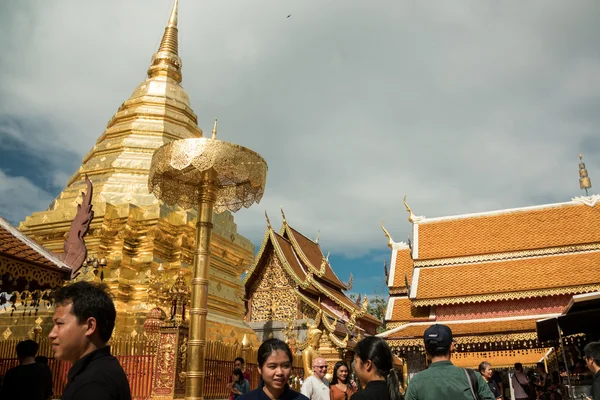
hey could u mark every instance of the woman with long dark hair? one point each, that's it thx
(375, 368)
(340, 387)
(275, 366)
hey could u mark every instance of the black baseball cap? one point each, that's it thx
(440, 333)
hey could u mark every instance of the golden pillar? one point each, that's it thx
(210, 175)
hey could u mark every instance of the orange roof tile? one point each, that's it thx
(520, 229)
(562, 270)
(15, 244)
(404, 311)
(404, 265)
(499, 359)
(315, 256)
(487, 327)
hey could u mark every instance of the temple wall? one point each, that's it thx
(135, 240)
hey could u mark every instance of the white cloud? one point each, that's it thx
(466, 107)
(20, 197)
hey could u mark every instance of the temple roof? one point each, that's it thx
(524, 252)
(401, 309)
(472, 335)
(518, 229)
(310, 253)
(518, 278)
(304, 262)
(500, 359)
(16, 245)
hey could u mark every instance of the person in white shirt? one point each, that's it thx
(519, 382)
(316, 386)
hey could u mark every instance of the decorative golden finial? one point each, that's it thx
(268, 220)
(318, 235)
(584, 180)
(283, 215)
(214, 132)
(166, 61)
(350, 282)
(390, 240)
(173, 18)
(246, 342)
(411, 217)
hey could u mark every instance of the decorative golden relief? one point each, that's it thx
(273, 297)
(19, 269)
(163, 381)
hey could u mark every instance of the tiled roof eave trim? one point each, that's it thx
(511, 255)
(481, 298)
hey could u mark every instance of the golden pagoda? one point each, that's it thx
(490, 276)
(144, 242)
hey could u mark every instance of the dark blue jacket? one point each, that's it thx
(258, 394)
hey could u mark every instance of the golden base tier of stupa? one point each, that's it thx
(131, 229)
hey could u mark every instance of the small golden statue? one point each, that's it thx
(312, 350)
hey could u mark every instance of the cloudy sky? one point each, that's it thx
(465, 106)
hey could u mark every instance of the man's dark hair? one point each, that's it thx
(240, 359)
(27, 348)
(519, 366)
(90, 300)
(434, 350)
(483, 366)
(270, 346)
(592, 350)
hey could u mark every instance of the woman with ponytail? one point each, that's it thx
(375, 368)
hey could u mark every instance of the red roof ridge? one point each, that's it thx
(590, 201)
(324, 269)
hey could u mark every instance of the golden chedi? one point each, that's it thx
(134, 231)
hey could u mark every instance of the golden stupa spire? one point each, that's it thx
(584, 180)
(214, 131)
(166, 61)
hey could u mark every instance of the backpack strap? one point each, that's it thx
(473, 383)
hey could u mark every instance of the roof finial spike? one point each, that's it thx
(390, 240)
(412, 218)
(173, 18)
(166, 61)
(584, 180)
(268, 220)
(214, 132)
(318, 235)
(283, 215)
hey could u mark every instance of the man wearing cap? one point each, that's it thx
(442, 380)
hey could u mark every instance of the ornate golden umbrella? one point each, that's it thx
(210, 175)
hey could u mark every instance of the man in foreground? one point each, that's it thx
(29, 380)
(316, 386)
(442, 380)
(83, 323)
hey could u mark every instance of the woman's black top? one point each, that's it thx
(375, 390)
(259, 394)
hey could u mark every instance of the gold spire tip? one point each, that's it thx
(283, 215)
(268, 220)
(174, 12)
(214, 131)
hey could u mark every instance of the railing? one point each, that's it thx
(137, 356)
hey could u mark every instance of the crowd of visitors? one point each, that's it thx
(84, 319)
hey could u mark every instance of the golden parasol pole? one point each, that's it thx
(212, 176)
(194, 382)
